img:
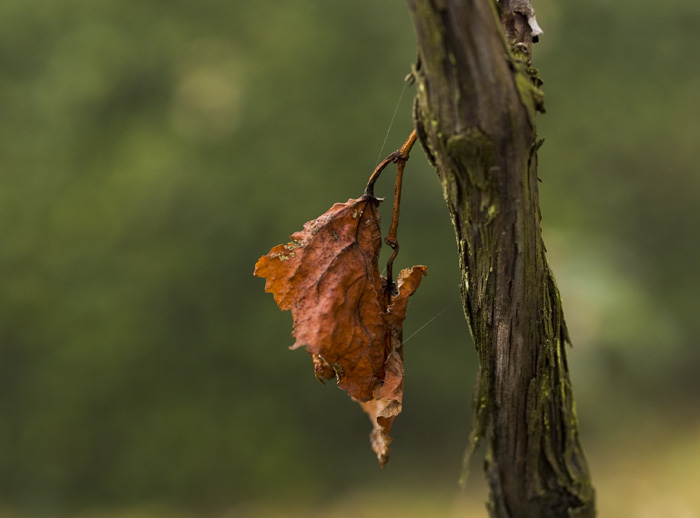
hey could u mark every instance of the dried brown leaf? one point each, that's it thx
(387, 401)
(328, 276)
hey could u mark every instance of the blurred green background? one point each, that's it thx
(151, 151)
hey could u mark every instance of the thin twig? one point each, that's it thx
(369, 190)
(399, 158)
(392, 238)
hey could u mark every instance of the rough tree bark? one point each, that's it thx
(475, 113)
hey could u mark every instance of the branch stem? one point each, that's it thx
(399, 158)
(392, 238)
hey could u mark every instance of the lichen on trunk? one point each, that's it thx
(475, 115)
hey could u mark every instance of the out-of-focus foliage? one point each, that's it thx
(151, 151)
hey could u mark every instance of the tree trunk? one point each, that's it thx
(475, 113)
